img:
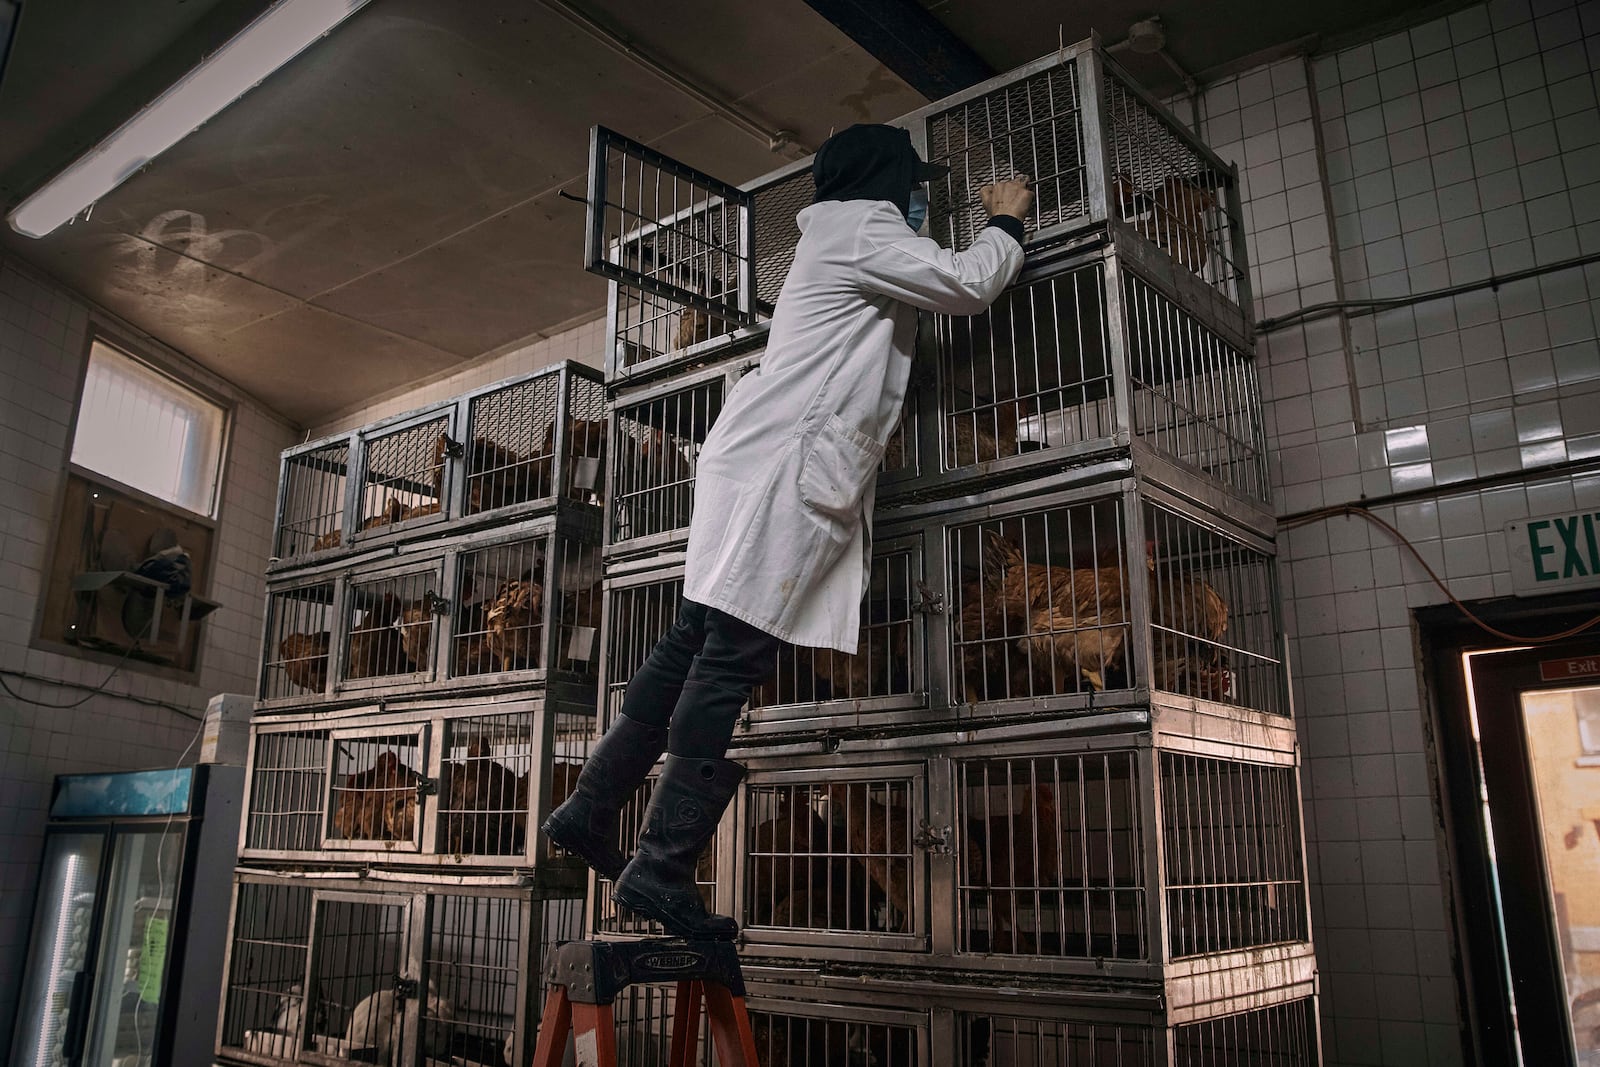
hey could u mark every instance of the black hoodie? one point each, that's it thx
(868, 162)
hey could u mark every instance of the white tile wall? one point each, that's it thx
(1443, 154)
(43, 333)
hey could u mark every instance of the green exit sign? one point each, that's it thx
(1551, 553)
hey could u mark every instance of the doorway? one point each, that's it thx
(1517, 733)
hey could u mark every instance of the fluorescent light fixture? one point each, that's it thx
(279, 34)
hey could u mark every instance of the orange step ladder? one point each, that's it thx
(586, 976)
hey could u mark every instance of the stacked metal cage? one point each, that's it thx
(1050, 811)
(427, 686)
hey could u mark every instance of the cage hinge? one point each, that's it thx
(935, 839)
(404, 988)
(439, 605)
(453, 448)
(427, 787)
(929, 600)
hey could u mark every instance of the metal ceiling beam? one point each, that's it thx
(904, 37)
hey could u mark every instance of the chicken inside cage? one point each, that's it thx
(810, 1041)
(1030, 373)
(1018, 1041)
(1175, 213)
(1050, 857)
(299, 627)
(1046, 608)
(313, 499)
(391, 626)
(658, 443)
(374, 792)
(398, 483)
(882, 663)
(354, 1010)
(832, 857)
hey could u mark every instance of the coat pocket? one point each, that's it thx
(837, 471)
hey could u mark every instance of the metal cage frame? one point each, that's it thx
(566, 548)
(448, 795)
(418, 899)
(577, 389)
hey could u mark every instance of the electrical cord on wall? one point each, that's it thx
(90, 691)
(1387, 303)
(1362, 513)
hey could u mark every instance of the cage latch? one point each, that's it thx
(404, 988)
(452, 448)
(935, 839)
(929, 600)
(439, 605)
(427, 787)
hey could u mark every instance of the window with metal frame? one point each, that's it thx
(1231, 852)
(147, 430)
(1051, 856)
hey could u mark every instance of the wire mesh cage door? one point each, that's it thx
(1031, 376)
(1032, 125)
(835, 854)
(642, 1018)
(302, 620)
(404, 474)
(887, 670)
(800, 1033)
(481, 955)
(264, 1004)
(287, 792)
(362, 978)
(502, 610)
(392, 623)
(656, 439)
(537, 439)
(313, 494)
(774, 204)
(487, 770)
(1232, 855)
(1056, 1039)
(677, 242)
(1051, 854)
(377, 782)
(1277, 1035)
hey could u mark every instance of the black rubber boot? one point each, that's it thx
(687, 804)
(586, 822)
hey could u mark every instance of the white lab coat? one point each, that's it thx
(784, 487)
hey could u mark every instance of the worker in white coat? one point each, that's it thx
(780, 539)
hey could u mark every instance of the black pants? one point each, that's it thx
(698, 677)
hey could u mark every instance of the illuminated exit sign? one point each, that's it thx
(1553, 553)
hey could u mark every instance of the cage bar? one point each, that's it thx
(1032, 373)
(300, 625)
(657, 442)
(403, 474)
(264, 1002)
(311, 508)
(390, 628)
(473, 959)
(1041, 604)
(1281, 1035)
(642, 1020)
(1033, 126)
(834, 1039)
(833, 855)
(1214, 618)
(1167, 188)
(887, 660)
(1195, 396)
(288, 791)
(636, 617)
(1051, 853)
(1231, 855)
(359, 946)
(1020, 1041)
(483, 787)
(374, 795)
(500, 608)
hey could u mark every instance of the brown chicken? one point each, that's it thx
(983, 436)
(378, 803)
(1001, 866)
(1173, 215)
(392, 512)
(420, 511)
(483, 813)
(789, 864)
(881, 665)
(416, 633)
(586, 439)
(304, 659)
(514, 624)
(496, 476)
(1189, 621)
(877, 836)
(375, 648)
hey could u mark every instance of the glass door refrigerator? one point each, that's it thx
(125, 960)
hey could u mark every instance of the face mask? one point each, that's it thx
(917, 213)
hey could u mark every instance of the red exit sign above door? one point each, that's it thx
(1553, 553)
